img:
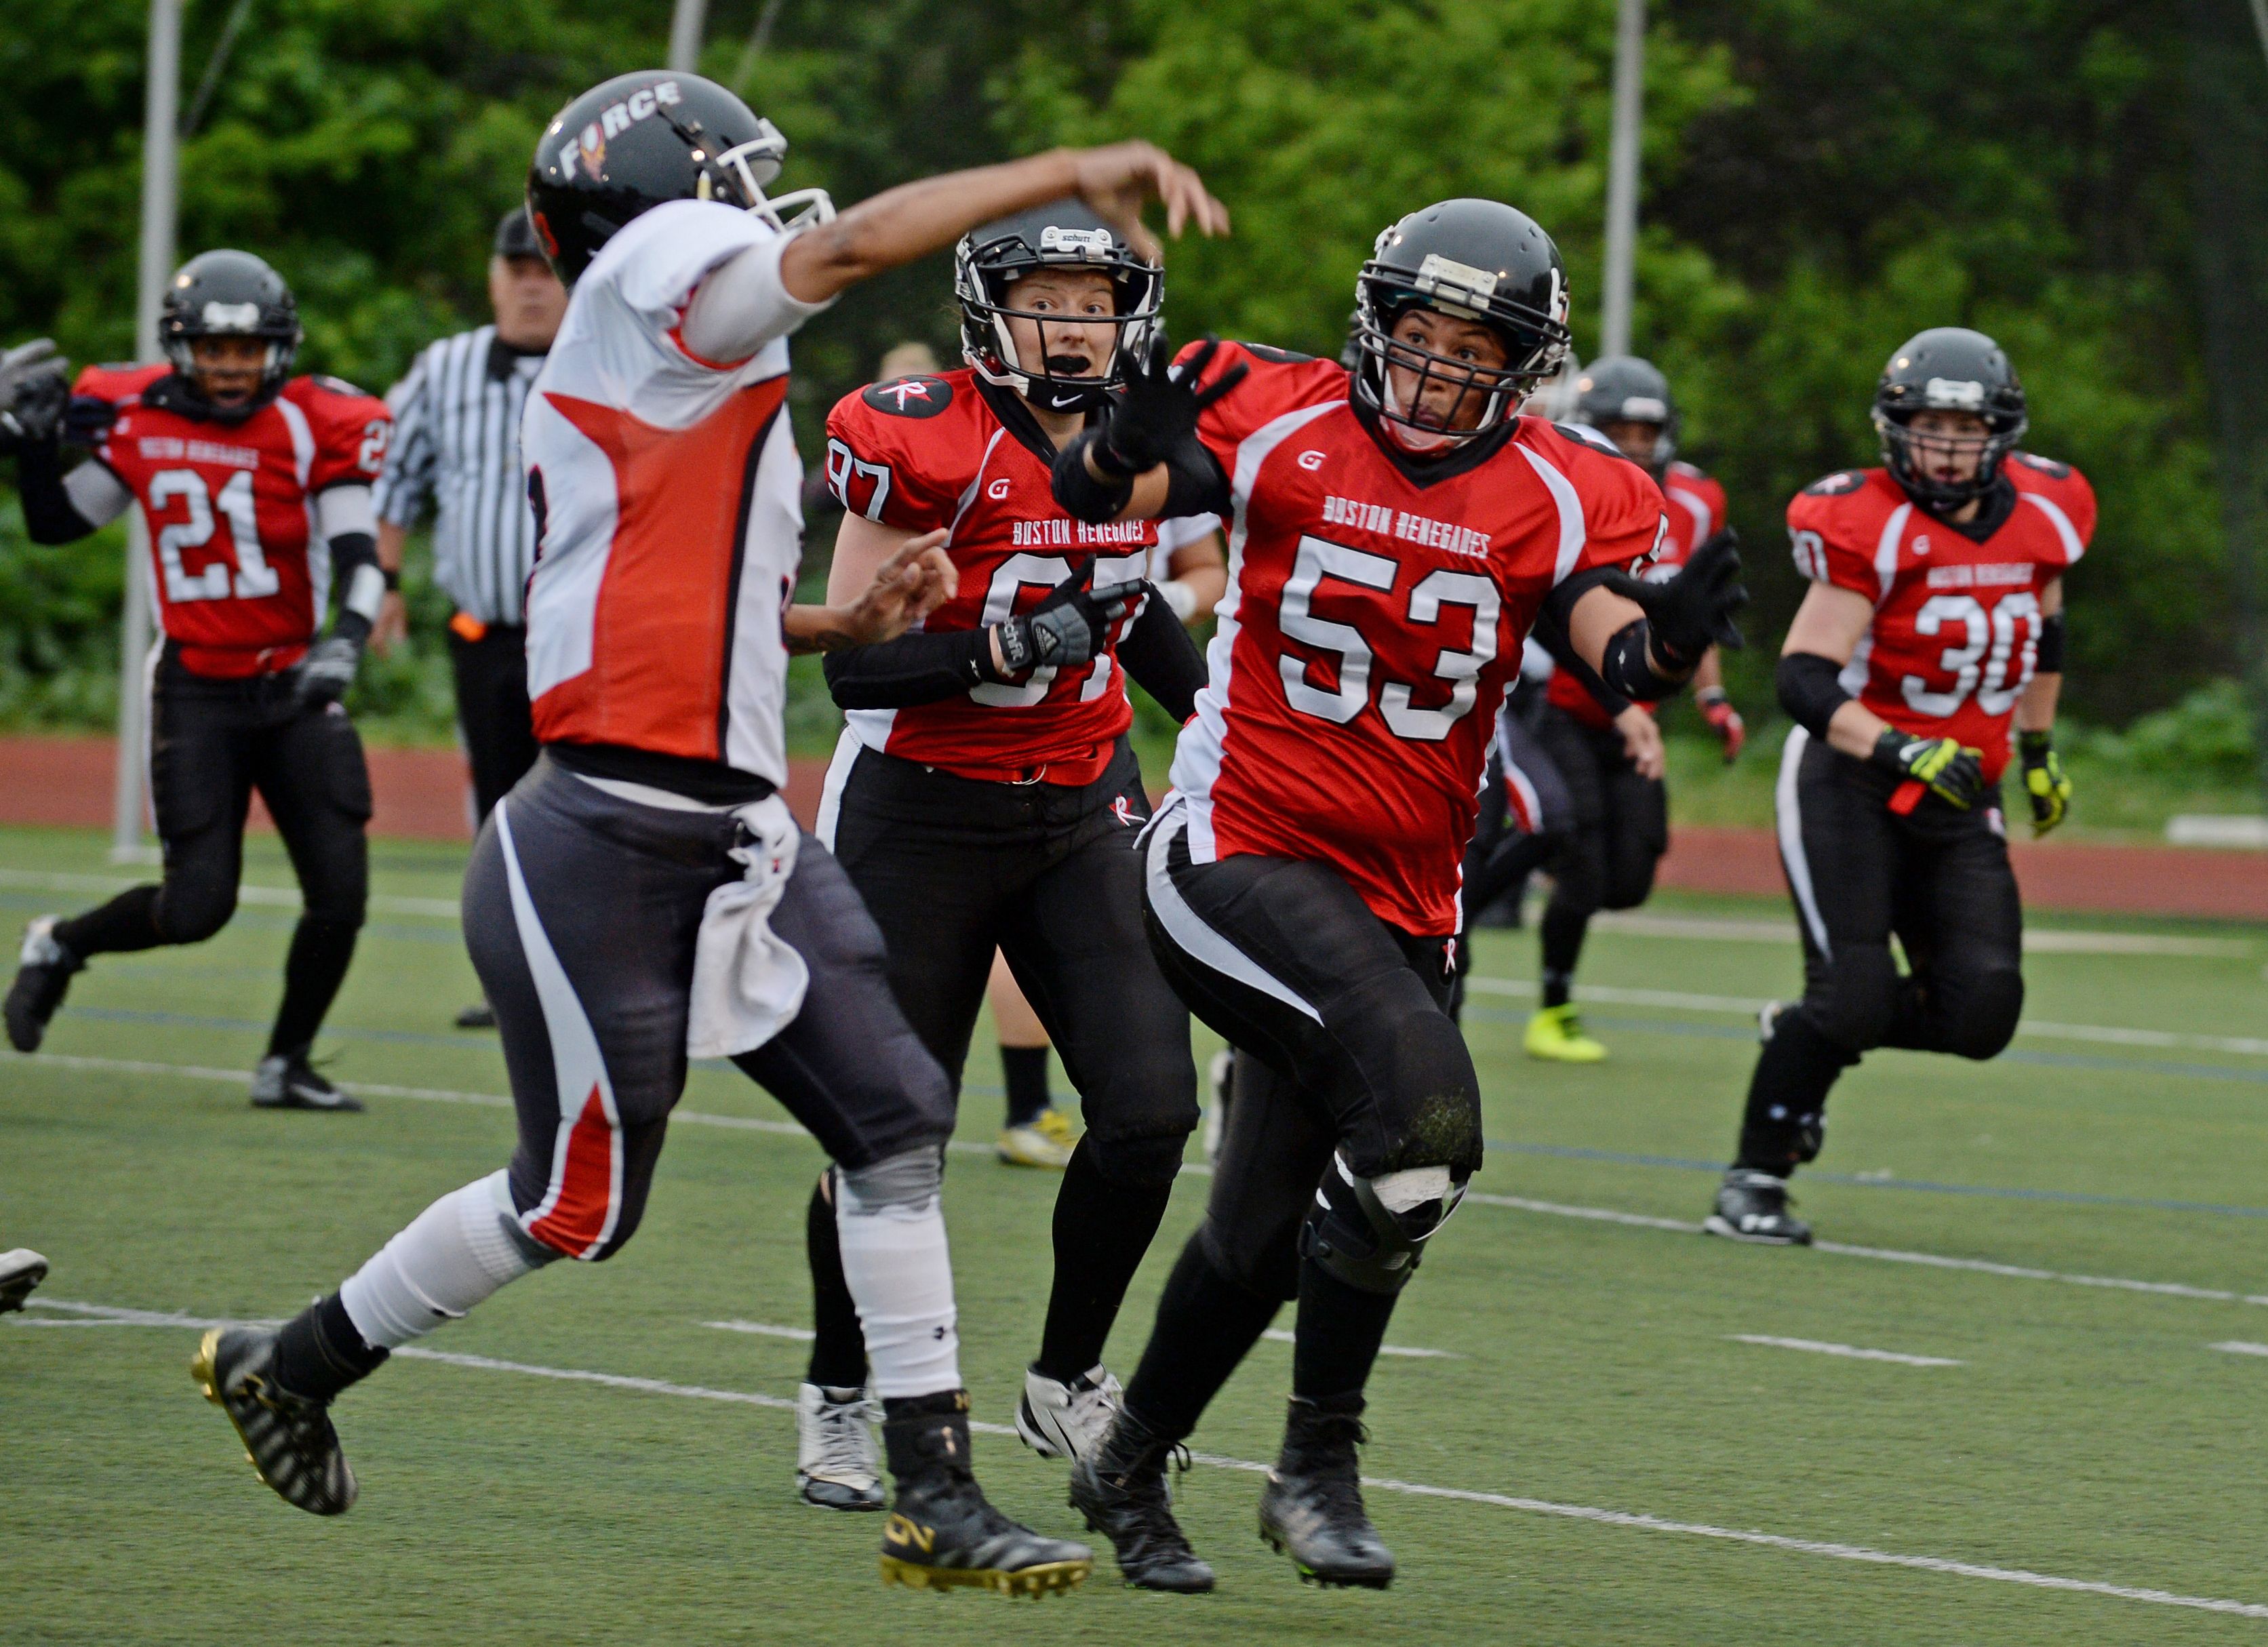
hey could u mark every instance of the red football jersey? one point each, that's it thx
(1956, 629)
(239, 578)
(1374, 615)
(1696, 513)
(922, 452)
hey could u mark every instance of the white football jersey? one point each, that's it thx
(669, 496)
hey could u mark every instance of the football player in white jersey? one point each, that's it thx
(643, 896)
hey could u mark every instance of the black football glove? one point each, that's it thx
(2045, 781)
(1068, 628)
(325, 673)
(1691, 612)
(1156, 409)
(1954, 774)
(34, 389)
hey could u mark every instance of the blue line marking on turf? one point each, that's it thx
(191, 1020)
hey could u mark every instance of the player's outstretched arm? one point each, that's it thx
(1144, 459)
(914, 219)
(911, 581)
(1646, 639)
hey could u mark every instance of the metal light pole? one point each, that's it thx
(685, 35)
(1622, 178)
(160, 113)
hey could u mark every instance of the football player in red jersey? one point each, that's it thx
(643, 896)
(256, 487)
(1609, 750)
(984, 794)
(1394, 535)
(1933, 625)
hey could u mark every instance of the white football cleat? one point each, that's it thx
(836, 1464)
(20, 1271)
(1067, 1420)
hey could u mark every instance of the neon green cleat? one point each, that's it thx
(1556, 1033)
(1046, 1141)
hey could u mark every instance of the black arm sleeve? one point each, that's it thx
(1551, 636)
(915, 668)
(2049, 660)
(1625, 667)
(1810, 690)
(1195, 484)
(1160, 656)
(349, 552)
(1079, 493)
(49, 515)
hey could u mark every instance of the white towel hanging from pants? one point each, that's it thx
(747, 982)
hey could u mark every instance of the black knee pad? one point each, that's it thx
(1981, 1011)
(1149, 1163)
(192, 906)
(1440, 1096)
(1859, 1002)
(1370, 1233)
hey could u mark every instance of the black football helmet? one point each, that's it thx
(624, 148)
(1478, 260)
(1624, 389)
(1948, 369)
(1065, 233)
(228, 294)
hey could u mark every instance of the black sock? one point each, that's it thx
(1025, 1071)
(1338, 1331)
(1784, 1119)
(127, 922)
(1102, 1229)
(321, 948)
(838, 1350)
(319, 1352)
(1558, 987)
(1206, 1325)
(1561, 930)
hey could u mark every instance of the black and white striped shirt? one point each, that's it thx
(456, 444)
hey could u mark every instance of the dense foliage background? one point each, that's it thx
(1819, 181)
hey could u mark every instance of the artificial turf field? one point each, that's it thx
(2092, 1438)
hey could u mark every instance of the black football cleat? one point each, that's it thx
(1120, 1488)
(287, 1437)
(1312, 1510)
(943, 1533)
(292, 1082)
(43, 976)
(20, 1271)
(1753, 1206)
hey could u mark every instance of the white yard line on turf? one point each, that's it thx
(1827, 1549)
(764, 1329)
(1886, 1254)
(1742, 1006)
(2043, 940)
(1276, 1336)
(1519, 1203)
(2238, 1347)
(1849, 1352)
(439, 908)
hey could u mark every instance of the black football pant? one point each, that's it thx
(1347, 1059)
(1618, 828)
(1938, 878)
(492, 710)
(212, 743)
(580, 912)
(953, 868)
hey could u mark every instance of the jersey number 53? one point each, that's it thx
(1319, 559)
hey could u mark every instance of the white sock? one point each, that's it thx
(455, 1254)
(901, 1277)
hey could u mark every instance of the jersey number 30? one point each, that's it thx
(1995, 660)
(1318, 559)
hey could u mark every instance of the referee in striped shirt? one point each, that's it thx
(456, 446)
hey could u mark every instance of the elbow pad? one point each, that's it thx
(1625, 669)
(1811, 690)
(2049, 659)
(1080, 494)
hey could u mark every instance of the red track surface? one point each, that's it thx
(421, 795)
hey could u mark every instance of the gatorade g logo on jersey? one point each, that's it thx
(919, 396)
